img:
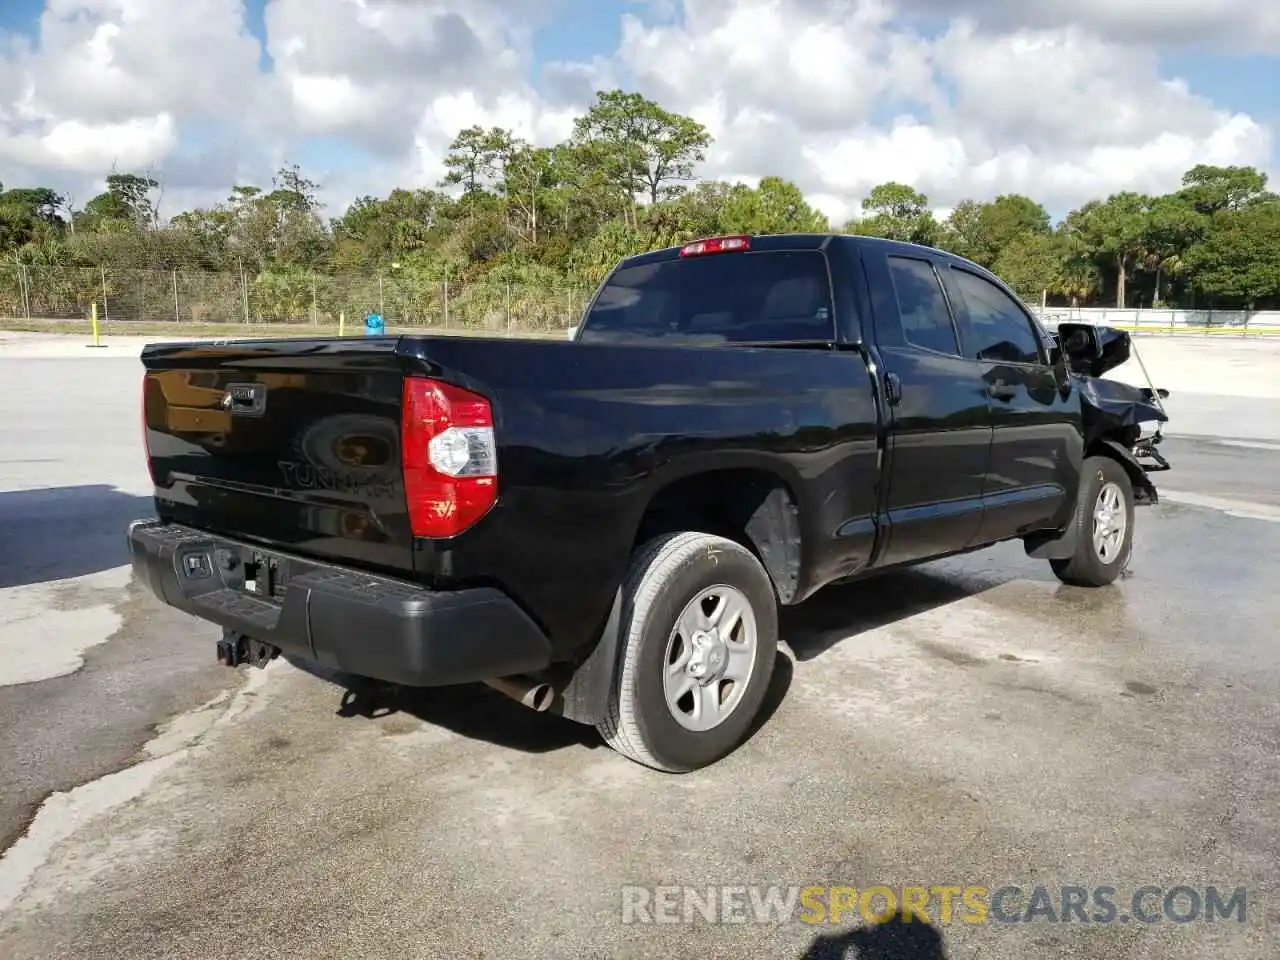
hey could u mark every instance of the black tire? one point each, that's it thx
(666, 576)
(1087, 567)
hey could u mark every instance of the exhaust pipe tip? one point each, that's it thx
(540, 697)
(536, 694)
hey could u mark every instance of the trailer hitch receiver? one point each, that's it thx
(236, 648)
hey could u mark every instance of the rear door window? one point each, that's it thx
(922, 306)
(757, 297)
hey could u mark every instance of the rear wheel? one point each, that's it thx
(699, 639)
(1104, 526)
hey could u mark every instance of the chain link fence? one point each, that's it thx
(406, 298)
(295, 297)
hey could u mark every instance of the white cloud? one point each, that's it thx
(373, 69)
(115, 82)
(1234, 26)
(78, 145)
(401, 79)
(1058, 112)
(121, 59)
(818, 64)
(1062, 99)
(909, 152)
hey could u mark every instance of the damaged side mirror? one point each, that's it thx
(1079, 342)
(1091, 350)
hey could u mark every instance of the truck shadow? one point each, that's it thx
(477, 712)
(833, 615)
(841, 611)
(54, 533)
(894, 939)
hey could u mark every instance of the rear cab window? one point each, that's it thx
(922, 306)
(750, 297)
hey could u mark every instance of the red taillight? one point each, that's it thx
(448, 455)
(715, 245)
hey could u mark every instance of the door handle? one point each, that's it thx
(893, 388)
(1001, 390)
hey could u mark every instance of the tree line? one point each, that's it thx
(512, 213)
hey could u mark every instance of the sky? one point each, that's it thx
(1063, 100)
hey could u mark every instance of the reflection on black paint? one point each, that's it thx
(317, 471)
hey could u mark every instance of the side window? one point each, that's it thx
(926, 319)
(1000, 330)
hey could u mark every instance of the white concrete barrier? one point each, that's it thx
(1216, 323)
(1235, 367)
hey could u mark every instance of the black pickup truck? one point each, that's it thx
(604, 526)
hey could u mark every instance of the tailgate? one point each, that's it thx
(287, 442)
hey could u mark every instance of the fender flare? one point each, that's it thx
(1144, 491)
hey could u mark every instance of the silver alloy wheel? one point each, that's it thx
(1110, 522)
(710, 656)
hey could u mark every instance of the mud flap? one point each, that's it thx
(585, 698)
(1052, 546)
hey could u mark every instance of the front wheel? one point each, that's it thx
(699, 639)
(1104, 526)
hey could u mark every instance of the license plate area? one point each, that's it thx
(264, 574)
(210, 565)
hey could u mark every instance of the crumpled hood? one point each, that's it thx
(1109, 407)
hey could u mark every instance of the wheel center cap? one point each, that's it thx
(709, 657)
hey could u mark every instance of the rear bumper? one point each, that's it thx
(355, 622)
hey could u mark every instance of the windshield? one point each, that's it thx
(760, 297)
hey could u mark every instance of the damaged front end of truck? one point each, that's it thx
(1120, 421)
(1126, 418)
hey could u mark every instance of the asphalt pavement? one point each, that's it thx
(967, 723)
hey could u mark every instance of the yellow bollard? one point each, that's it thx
(97, 331)
(342, 324)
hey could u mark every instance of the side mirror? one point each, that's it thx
(1093, 350)
(1079, 342)
(572, 332)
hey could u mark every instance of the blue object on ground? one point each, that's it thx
(373, 326)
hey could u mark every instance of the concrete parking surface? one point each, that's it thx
(968, 723)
